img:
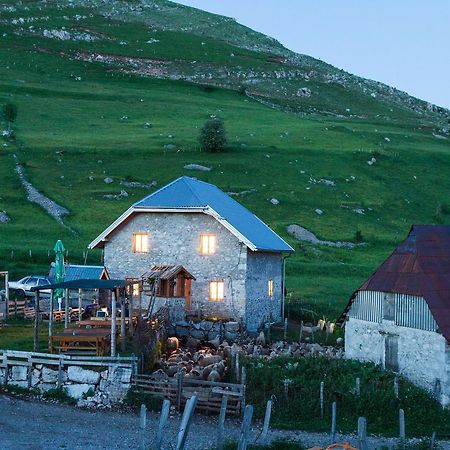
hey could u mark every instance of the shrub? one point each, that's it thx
(59, 395)
(152, 402)
(212, 136)
(9, 113)
(359, 236)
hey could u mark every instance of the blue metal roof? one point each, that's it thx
(186, 192)
(78, 272)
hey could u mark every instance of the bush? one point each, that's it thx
(359, 236)
(152, 402)
(212, 136)
(59, 395)
(9, 113)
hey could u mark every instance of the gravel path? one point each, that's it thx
(30, 425)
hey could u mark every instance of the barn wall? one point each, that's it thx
(423, 356)
(174, 238)
(262, 267)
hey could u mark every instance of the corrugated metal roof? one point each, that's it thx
(79, 272)
(186, 192)
(166, 272)
(419, 266)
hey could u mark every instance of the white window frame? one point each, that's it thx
(134, 242)
(210, 240)
(216, 291)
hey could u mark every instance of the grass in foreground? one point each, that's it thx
(299, 406)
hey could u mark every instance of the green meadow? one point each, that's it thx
(80, 122)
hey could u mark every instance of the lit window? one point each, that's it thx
(270, 288)
(207, 244)
(216, 291)
(136, 290)
(140, 242)
(133, 289)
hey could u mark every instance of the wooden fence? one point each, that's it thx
(10, 358)
(180, 389)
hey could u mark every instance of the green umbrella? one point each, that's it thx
(59, 267)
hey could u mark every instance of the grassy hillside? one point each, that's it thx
(150, 76)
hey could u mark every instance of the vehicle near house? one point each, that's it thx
(24, 285)
(198, 251)
(400, 316)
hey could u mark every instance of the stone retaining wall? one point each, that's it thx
(91, 387)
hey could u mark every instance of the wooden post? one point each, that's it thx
(362, 433)
(236, 367)
(143, 417)
(358, 387)
(140, 304)
(122, 325)
(36, 322)
(186, 422)
(402, 428)
(243, 438)
(285, 328)
(80, 304)
(7, 294)
(130, 314)
(222, 415)
(396, 388)
(66, 308)
(50, 317)
(243, 382)
(433, 440)
(300, 333)
(266, 423)
(333, 423)
(162, 424)
(322, 385)
(60, 372)
(113, 323)
(180, 376)
(15, 307)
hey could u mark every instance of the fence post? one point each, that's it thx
(60, 369)
(433, 440)
(300, 333)
(30, 371)
(143, 417)
(186, 422)
(362, 433)
(66, 308)
(333, 423)
(265, 429)
(222, 415)
(285, 328)
(322, 385)
(180, 376)
(162, 424)
(36, 322)
(402, 427)
(243, 383)
(242, 444)
(358, 387)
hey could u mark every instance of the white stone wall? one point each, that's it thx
(261, 267)
(423, 356)
(174, 238)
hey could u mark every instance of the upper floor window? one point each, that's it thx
(140, 242)
(389, 307)
(216, 291)
(207, 244)
(270, 288)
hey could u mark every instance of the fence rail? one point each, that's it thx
(18, 358)
(180, 389)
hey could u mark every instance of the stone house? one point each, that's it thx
(400, 317)
(202, 250)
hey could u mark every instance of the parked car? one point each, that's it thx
(24, 285)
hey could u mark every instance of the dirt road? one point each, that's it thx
(30, 425)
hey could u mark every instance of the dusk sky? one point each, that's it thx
(403, 43)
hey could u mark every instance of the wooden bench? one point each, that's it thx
(80, 341)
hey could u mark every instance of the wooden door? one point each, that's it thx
(391, 352)
(187, 294)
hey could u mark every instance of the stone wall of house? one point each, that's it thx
(174, 238)
(90, 387)
(262, 267)
(423, 356)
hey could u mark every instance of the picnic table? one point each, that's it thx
(99, 323)
(81, 341)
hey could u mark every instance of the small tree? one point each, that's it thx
(212, 136)
(9, 114)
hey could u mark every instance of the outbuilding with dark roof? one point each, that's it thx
(400, 316)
